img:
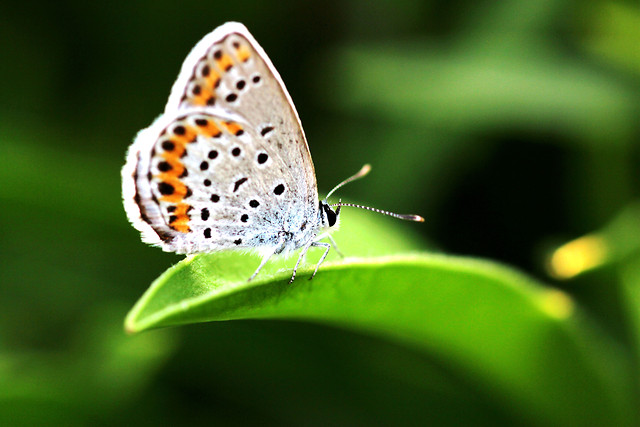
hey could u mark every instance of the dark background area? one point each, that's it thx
(512, 127)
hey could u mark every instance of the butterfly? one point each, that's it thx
(227, 165)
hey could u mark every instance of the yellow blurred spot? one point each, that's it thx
(577, 256)
(556, 304)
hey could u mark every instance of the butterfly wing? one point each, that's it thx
(230, 173)
(229, 70)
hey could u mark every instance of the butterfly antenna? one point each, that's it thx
(361, 173)
(416, 218)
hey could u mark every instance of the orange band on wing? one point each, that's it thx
(203, 98)
(189, 135)
(232, 127)
(225, 62)
(176, 166)
(242, 53)
(177, 190)
(179, 221)
(171, 149)
(213, 79)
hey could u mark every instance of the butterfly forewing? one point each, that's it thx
(228, 70)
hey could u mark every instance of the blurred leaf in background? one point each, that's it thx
(511, 126)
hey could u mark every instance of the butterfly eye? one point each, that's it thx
(331, 215)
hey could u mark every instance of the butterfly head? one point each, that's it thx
(328, 216)
(331, 218)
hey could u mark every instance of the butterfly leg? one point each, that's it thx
(300, 258)
(264, 260)
(327, 247)
(335, 246)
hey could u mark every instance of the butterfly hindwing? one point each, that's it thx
(208, 183)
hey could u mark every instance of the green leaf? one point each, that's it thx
(366, 236)
(527, 345)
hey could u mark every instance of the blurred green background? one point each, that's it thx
(511, 126)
